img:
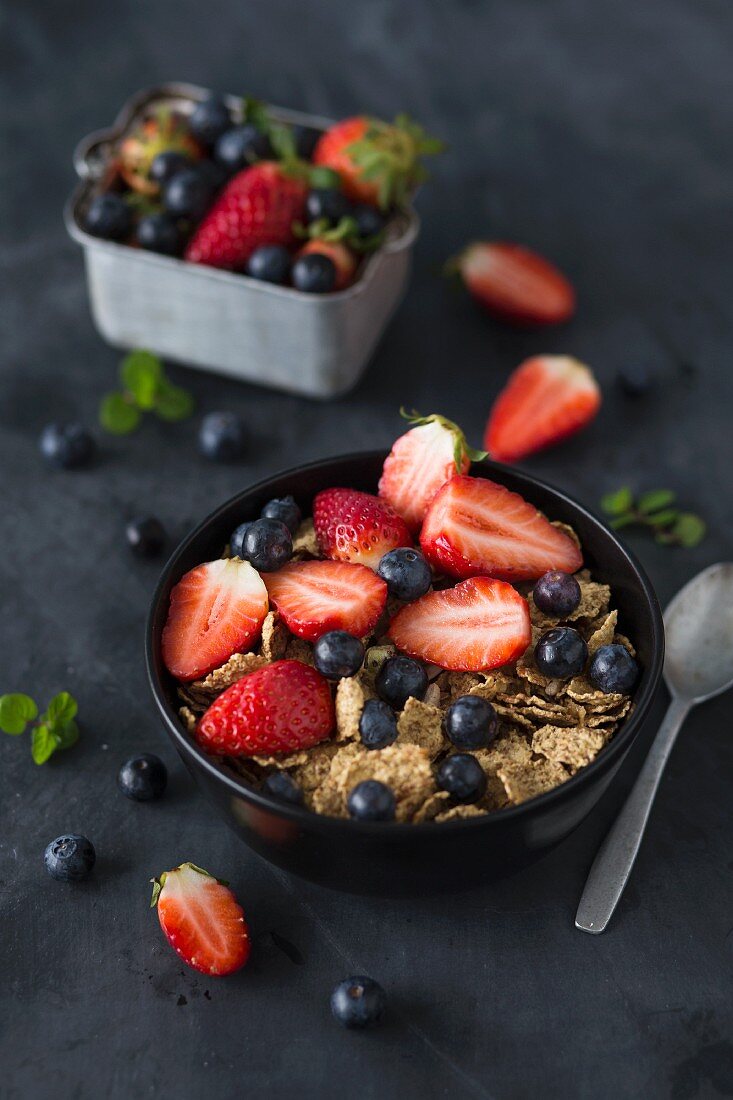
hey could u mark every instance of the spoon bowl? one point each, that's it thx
(699, 629)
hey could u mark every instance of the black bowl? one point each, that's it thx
(392, 859)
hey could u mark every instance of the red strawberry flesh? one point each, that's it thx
(313, 597)
(357, 527)
(516, 284)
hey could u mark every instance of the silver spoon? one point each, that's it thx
(698, 665)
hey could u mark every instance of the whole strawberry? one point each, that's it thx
(281, 708)
(257, 207)
(357, 527)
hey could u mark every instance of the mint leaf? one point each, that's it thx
(16, 710)
(614, 504)
(66, 735)
(117, 415)
(43, 744)
(141, 372)
(689, 530)
(654, 500)
(172, 403)
(623, 521)
(62, 709)
(663, 519)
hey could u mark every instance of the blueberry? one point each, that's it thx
(109, 216)
(146, 536)
(164, 166)
(369, 220)
(240, 147)
(270, 263)
(283, 787)
(236, 539)
(371, 800)
(69, 858)
(462, 776)
(306, 139)
(377, 725)
(314, 273)
(338, 654)
(561, 653)
(327, 203)
(159, 233)
(358, 1002)
(406, 572)
(613, 669)
(187, 194)
(557, 594)
(286, 510)
(398, 679)
(213, 174)
(222, 437)
(143, 778)
(267, 544)
(67, 446)
(470, 722)
(636, 380)
(209, 119)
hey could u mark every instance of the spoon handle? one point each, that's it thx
(612, 866)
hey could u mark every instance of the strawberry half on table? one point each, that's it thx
(422, 460)
(357, 527)
(313, 597)
(475, 527)
(478, 625)
(258, 206)
(202, 920)
(546, 399)
(514, 284)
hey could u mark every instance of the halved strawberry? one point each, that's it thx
(313, 597)
(216, 609)
(282, 708)
(546, 399)
(479, 624)
(420, 462)
(357, 527)
(474, 526)
(515, 284)
(202, 920)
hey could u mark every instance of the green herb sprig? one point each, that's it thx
(145, 388)
(55, 729)
(656, 511)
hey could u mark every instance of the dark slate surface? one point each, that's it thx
(603, 138)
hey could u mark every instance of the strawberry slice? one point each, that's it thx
(479, 624)
(216, 609)
(357, 527)
(515, 284)
(420, 462)
(202, 920)
(546, 399)
(284, 707)
(313, 597)
(474, 526)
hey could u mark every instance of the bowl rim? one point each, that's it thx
(617, 747)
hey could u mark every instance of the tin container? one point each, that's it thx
(316, 345)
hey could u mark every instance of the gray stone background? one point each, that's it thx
(600, 134)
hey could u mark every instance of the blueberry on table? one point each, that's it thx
(143, 778)
(462, 776)
(327, 203)
(286, 510)
(146, 536)
(66, 446)
(358, 1002)
(306, 139)
(159, 233)
(406, 572)
(222, 437)
(236, 539)
(241, 146)
(377, 725)
(369, 220)
(187, 194)
(209, 119)
(613, 670)
(337, 654)
(636, 380)
(69, 858)
(164, 166)
(470, 722)
(283, 787)
(314, 274)
(267, 545)
(270, 263)
(371, 800)
(109, 216)
(398, 679)
(557, 594)
(561, 653)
